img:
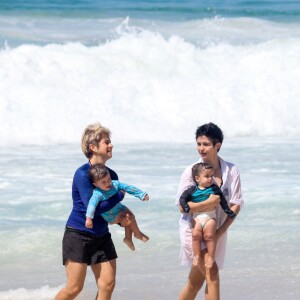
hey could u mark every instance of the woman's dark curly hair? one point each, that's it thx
(212, 131)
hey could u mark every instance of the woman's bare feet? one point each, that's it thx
(141, 237)
(129, 243)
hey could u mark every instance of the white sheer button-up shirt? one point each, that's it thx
(231, 189)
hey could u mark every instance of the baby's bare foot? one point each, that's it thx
(129, 243)
(209, 262)
(142, 237)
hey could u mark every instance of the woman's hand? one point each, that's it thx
(125, 219)
(208, 205)
(213, 201)
(221, 230)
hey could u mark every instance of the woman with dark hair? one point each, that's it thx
(209, 139)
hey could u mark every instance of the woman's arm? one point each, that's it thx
(108, 204)
(224, 227)
(236, 200)
(208, 205)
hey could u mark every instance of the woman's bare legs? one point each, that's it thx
(105, 276)
(197, 277)
(212, 289)
(193, 285)
(76, 273)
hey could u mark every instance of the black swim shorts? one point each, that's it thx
(85, 248)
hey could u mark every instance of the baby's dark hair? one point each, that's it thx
(199, 167)
(212, 131)
(97, 172)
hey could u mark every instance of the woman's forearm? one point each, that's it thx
(208, 205)
(221, 230)
(106, 205)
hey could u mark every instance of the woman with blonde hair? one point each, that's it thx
(83, 246)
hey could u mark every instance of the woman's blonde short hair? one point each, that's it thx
(92, 135)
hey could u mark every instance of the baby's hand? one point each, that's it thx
(146, 198)
(89, 223)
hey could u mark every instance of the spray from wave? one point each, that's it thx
(149, 86)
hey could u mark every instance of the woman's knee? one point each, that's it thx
(76, 273)
(195, 287)
(212, 276)
(196, 279)
(107, 284)
(105, 275)
(73, 290)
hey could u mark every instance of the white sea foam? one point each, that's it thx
(43, 293)
(148, 87)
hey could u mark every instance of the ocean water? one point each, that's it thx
(142, 65)
(263, 261)
(151, 71)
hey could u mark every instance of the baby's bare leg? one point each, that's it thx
(128, 238)
(128, 232)
(209, 233)
(137, 233)
(134, 227)
(196, 242)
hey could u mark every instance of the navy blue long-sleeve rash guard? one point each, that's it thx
(82, 190)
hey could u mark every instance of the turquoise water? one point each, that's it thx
(93, 22)
(164, 10)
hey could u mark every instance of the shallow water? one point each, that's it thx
(262, 258)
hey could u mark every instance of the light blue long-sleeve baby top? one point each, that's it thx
(100, 195)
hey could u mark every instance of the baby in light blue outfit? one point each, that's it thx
(104, 189)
